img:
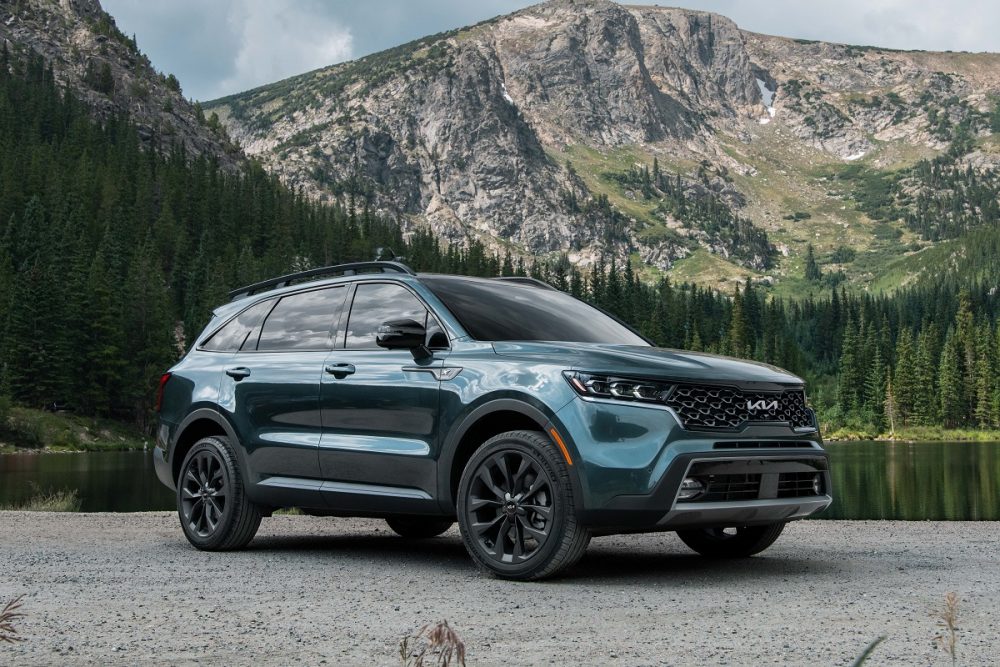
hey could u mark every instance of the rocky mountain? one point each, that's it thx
(106, 69)
(671, 136)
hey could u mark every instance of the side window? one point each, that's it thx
(302, 321)
(233, 336)
(375, 303)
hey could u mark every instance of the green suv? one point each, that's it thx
(534, 419)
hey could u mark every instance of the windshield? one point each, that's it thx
(495, 310)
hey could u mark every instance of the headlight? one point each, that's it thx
(625, 389)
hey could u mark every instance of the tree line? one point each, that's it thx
(112, 257)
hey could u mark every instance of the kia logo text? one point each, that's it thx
(753, 406)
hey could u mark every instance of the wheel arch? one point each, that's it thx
(199, 424)
(482, 423)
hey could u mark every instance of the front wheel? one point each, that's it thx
(735, 542)
(215, 513)
(516, 508)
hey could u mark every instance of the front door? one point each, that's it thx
(379, 410)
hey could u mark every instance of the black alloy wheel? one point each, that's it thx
(203, 493)
(510, 506)
(214, 511)
(516, 508)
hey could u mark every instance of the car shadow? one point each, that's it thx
(656, 558)
(616, 565)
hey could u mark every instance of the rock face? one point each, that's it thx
(501, 131)
(87, 52)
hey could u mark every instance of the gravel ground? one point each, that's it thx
(127, 589)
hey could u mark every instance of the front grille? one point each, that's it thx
(707, 407)
(798, 484)
(762, 444)
(730, 487)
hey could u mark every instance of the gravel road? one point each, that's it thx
(127, 589)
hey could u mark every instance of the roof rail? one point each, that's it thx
(534, 282)
(339, 269)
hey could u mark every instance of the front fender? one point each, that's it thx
(523, 404)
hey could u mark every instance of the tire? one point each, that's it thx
(419, 527)
(212, 504)
(506, 489)
(741, 542)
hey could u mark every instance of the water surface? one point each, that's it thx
(872, 480)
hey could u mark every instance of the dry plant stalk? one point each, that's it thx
(947, 637)
(436, 642)
(867, 652)
(10, 613)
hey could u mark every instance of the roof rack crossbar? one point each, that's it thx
(534, 282)
(339, 269)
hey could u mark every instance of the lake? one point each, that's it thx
(872, 480)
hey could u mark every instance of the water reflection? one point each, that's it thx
(105, 481)
(872, 480)
(915, 481)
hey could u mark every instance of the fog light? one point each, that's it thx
(817, 484)
(690, 489)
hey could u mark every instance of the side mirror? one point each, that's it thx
(403, 335)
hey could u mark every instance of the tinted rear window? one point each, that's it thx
(498, 310)
(233, 336)
(302, 321)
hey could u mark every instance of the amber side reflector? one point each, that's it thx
(562, 445)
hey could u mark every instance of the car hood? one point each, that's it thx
(651, 362)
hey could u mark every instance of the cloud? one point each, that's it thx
(218, 47)
(902, 24)
(278, 39)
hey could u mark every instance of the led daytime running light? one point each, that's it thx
(624, 389)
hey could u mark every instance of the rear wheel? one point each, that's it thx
(734, 542)
(516, 508)
(215, 513)
(418, 527)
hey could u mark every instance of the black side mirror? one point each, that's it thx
(403, 335)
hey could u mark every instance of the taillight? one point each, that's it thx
(159, 390)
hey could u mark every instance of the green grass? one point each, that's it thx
(48, 500)
(911, 434)
(26, 428)
(709, 270)
(289, 511)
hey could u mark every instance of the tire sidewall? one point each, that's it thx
(561, 500)
(229, 471)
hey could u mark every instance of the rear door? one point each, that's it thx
(274, 386)
(380, 408)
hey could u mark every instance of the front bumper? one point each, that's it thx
(661, 510)
(633, 459)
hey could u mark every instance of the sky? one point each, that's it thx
(218, 47)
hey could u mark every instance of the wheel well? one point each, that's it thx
(488, 426)
(193, 432)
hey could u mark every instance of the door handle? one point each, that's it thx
(238, 373)
(340, 371)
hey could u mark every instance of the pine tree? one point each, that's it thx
(904, 377)
(984, 377)
(875, 391)
(925, 398)
(851, 373)
(813, 273)
(738, 342)
(950, 381)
